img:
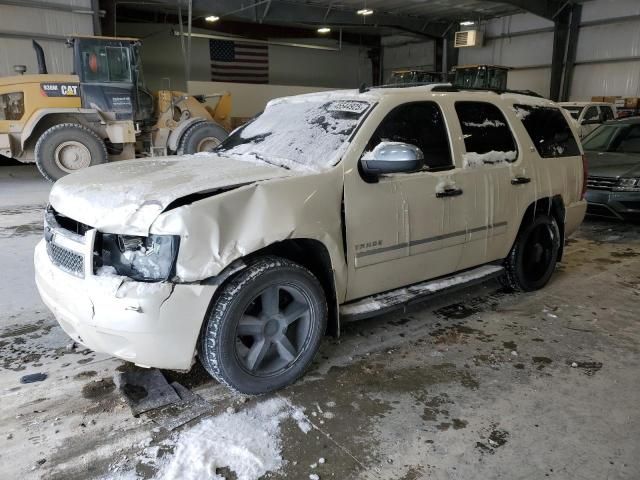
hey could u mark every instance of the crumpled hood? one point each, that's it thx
(614, 165)
(127, 196)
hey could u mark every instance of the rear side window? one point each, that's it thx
(548, 130)
(607, 113)
(487, 136)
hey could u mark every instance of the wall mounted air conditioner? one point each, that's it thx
(468, 38)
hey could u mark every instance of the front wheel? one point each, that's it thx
(66, 148)
(534, 254)
(265, 327)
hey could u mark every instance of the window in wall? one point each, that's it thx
(549, 131)
(487, 136)
(420, 124)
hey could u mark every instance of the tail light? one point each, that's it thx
(585, 175)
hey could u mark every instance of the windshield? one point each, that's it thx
(298, 134)
(621, 138)
(574, 111)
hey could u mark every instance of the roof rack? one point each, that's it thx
(452, 88)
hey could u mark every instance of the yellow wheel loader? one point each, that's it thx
(102, 112)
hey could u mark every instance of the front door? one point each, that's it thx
(400, 228)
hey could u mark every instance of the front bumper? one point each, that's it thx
(616, 205)
(149, 324)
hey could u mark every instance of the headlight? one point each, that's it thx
(628, 185)
(11, 106)
(149, 258)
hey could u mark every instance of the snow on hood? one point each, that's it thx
(127, 196)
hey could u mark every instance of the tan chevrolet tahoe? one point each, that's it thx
(326, 208)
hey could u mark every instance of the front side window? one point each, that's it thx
(420, 124)
(298, 134)
(591, 114)
(487, 136)
(549, 130)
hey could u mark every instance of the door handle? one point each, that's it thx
(449, 192)
(520, 180)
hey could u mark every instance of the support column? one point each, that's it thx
(574, 30)
(565, 38)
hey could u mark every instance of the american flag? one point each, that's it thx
(239, 62)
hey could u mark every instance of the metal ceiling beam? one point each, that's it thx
(293, 13)
(548, 9)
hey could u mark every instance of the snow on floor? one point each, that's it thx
(247, 443)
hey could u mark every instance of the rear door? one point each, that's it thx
(490, 159)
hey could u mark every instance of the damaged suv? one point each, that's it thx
(325, 208)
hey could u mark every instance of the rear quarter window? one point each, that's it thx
(549, 131)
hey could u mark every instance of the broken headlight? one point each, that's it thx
(628, 185)
(148, 259)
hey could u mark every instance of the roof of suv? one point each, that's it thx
(377, 93)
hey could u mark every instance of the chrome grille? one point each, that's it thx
(70, 262)
(602, 183)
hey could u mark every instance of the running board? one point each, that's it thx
(402, 297)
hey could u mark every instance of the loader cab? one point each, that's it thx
(489, 77)
(111, 77)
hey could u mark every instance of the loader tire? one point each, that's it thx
(67, 148)
(201, 137)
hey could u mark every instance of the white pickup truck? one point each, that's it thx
(587, 116)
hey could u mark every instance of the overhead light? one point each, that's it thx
(324, 30)
(364, 11)
(467, 23)
(212, 18)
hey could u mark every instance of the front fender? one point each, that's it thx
(219, 230)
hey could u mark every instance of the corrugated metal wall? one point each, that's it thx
(607, 58)
(615, 44)
(404, 52)
(49, 27)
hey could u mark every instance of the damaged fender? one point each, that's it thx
(221, 229)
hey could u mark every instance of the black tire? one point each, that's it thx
(244, 319)
(534, 254)
(201, 137)
(50, 147)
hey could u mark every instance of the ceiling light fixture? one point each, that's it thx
(212, 18)
(324, 30)
(467, 23)
(364, 11)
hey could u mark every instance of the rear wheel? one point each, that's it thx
(67, 148)
(534, 254)
(201, 137)
(265, 327)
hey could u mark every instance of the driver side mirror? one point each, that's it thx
(392, 157)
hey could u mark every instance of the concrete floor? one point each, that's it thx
(479, 385)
